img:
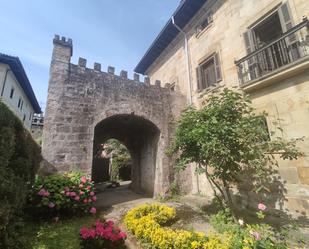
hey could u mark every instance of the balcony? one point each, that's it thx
(285, 52)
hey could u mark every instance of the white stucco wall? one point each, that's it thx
(12, 103)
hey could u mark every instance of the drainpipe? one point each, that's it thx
(5, 77)
(187, 58)
(189, 78)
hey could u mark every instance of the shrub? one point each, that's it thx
(146, 221)
(248, 236)
(228, 141)
(62, 194)
(103, 235)
(20, 156)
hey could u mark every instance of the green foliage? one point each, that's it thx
(120, 157)
(260, 236)
(227, 139)
(61, 194)
(62, 234)
(19, 161)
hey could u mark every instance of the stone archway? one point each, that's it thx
(141, 137)
(87, 105)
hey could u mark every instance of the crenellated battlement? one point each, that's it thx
(63, 42)
(61, 45)
(82, 62)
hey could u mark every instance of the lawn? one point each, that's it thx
(61, 234)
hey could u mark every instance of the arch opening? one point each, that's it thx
(140, 136)
(112, 162)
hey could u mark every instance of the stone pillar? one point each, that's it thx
(58, 75)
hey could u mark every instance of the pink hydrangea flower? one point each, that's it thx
(83, 179)
(93, 210)
(81, 185)
(72, 194)
(51, 205)
(262, 206)
(85, 201)
(68, 193)
(43, 192)
(81, 192)
(88, 187)
(92, 193)
(77, 198)
(94, 198)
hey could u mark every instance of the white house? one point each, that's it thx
(16, 91)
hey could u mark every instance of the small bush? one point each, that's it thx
(146, 223)
(103, 235)
(62, 194)
(20, 156)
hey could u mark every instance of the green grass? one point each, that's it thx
(64, 234)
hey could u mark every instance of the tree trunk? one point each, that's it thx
(229, 199)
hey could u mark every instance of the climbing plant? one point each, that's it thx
(226, 139)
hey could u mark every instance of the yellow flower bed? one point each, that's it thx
(145, 222)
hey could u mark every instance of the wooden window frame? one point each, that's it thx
(217, 72)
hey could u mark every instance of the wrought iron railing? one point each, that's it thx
(292, 46)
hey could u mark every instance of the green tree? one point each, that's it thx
(226, 138)
(120, 157)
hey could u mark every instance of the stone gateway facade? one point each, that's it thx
(258, 47)
(86, 107)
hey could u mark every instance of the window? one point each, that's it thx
(21, 106)
(30, 116)
(205, 23)
(24, 118)
(12, 93)
(209, 72)
(267, 32)
(19, 102)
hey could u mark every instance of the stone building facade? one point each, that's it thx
(259, 47)
(86, 107)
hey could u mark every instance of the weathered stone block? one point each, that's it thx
(289, 174)
(111, 70)
(97, 66)
(124, 74)
(82, 62)
(303, 173)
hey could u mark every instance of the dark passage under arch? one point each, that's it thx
(140, 136)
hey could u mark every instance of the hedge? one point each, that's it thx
(20, 157)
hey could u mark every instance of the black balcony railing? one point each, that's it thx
(290, 47)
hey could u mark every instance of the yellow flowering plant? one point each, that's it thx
(147, 222)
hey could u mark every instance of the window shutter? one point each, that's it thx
(286, 20)
(284, 12)
(249, 42)
(217, 67)
(199, 78)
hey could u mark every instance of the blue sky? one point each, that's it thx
(111, 32)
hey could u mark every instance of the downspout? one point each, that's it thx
(187, 59)
(189, 78)
(4, 81)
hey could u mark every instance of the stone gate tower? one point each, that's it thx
(85, 107)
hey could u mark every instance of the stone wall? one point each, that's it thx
(80, 98)
(285, 95)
